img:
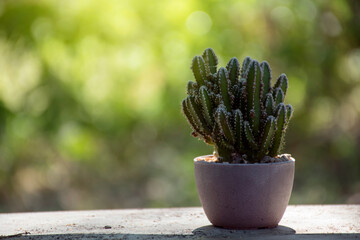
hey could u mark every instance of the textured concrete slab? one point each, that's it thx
(299, 222)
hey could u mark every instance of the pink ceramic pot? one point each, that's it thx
(244, 196)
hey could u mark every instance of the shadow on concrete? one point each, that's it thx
(205, 232)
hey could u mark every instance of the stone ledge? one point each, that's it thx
(299, 222)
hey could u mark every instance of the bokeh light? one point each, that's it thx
(90, 95)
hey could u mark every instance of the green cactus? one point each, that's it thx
(236, 110)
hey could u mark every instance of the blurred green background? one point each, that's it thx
(90, 96)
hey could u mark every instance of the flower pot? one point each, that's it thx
(244, 196)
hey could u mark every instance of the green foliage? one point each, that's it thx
(245, 119)
(89, 95)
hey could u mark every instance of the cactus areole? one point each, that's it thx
(237, 109)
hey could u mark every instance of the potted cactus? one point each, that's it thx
(246, 183)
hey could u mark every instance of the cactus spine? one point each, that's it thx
(237, 110)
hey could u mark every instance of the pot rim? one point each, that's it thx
(291, 160)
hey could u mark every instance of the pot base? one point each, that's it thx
(245, 228)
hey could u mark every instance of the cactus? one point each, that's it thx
(236, 110)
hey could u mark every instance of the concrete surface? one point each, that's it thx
(299, 222)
